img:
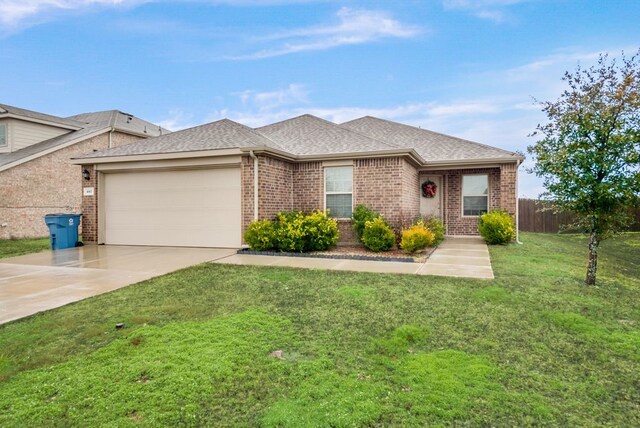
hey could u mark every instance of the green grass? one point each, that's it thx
(532, 347)
(18, 247)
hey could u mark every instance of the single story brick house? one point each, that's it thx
(202, 186)
(36, 174)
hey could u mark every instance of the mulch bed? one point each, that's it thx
(352, 253)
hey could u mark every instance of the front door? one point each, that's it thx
(431, 196)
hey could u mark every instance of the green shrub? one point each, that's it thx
(497, 227)
(321, 231)
(260, 235)
(290, 231)
(377, 235)
(417, 237)
(361, 215)
(436, 226)
(293, 232)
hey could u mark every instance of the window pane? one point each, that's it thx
(339, 206)
(475, 185)
(338, 179)
(475, 205)
(3, 135)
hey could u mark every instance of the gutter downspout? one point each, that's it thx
(517, 207)
(255, 184)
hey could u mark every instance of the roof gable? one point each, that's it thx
(431, 146)
(222, 134)
(310, 135)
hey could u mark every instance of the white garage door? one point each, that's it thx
(190, 208)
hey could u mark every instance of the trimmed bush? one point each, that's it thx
(361, 215)
(377, 235)
(261, 235)
(497, 227)
(290, 233)
(321, 231)
(417, 237)
(293, 232)
(436, 226)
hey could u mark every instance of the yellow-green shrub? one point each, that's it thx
(377, 235)
(293, 232)
(497, 227)
(417, 237)
(261, 235)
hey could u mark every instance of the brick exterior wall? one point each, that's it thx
(275, 182)
(308, 186)
(456, 223)
(45, 185)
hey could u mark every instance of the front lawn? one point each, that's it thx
(217, 345)
(18, 247)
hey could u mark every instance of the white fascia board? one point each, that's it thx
(154, 156)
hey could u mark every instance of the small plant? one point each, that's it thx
(361, 215)
(377, 235)
(261, 235)
(436, 226)
(497, 227)
(417, 237)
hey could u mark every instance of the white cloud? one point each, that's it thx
(14, 13)
(494, 10)
(292, 94)
(178, 119)
(353, 27)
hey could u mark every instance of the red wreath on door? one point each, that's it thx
(429, 189)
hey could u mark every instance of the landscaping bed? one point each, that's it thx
(351, 253)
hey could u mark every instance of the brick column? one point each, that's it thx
(90, 206)
(508, 187)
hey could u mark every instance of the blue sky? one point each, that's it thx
(468, 68)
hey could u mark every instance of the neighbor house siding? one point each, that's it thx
(24, 134)
(47, 184)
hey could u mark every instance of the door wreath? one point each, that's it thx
(429, 189)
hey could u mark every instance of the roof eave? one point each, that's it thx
(10, 115)
(472, 162)
(154, 156)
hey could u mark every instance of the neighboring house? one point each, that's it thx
(202, 186)
(36, 174)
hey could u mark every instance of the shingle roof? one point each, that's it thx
(6, 109)
(431, 146)
(310, 135)
(222, 134)
(89, 123)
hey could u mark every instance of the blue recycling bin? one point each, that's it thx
(63, 230)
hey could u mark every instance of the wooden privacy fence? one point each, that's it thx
(534, 219)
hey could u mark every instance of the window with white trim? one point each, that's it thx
(338, 190)
(3, 135)
(475, 194)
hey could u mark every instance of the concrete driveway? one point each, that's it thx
(47, 280)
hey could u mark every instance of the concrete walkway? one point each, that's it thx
(47, 280)
(466, 257)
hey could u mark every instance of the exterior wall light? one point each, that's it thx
(86, 174)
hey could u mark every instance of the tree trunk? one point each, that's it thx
(592, 267)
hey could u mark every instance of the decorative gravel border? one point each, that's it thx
(328, 256)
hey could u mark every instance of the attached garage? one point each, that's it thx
(182, 207)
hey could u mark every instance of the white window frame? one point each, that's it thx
(463, 194)
(4, 128)
(337, 193)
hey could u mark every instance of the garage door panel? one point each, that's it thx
(175, 208)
